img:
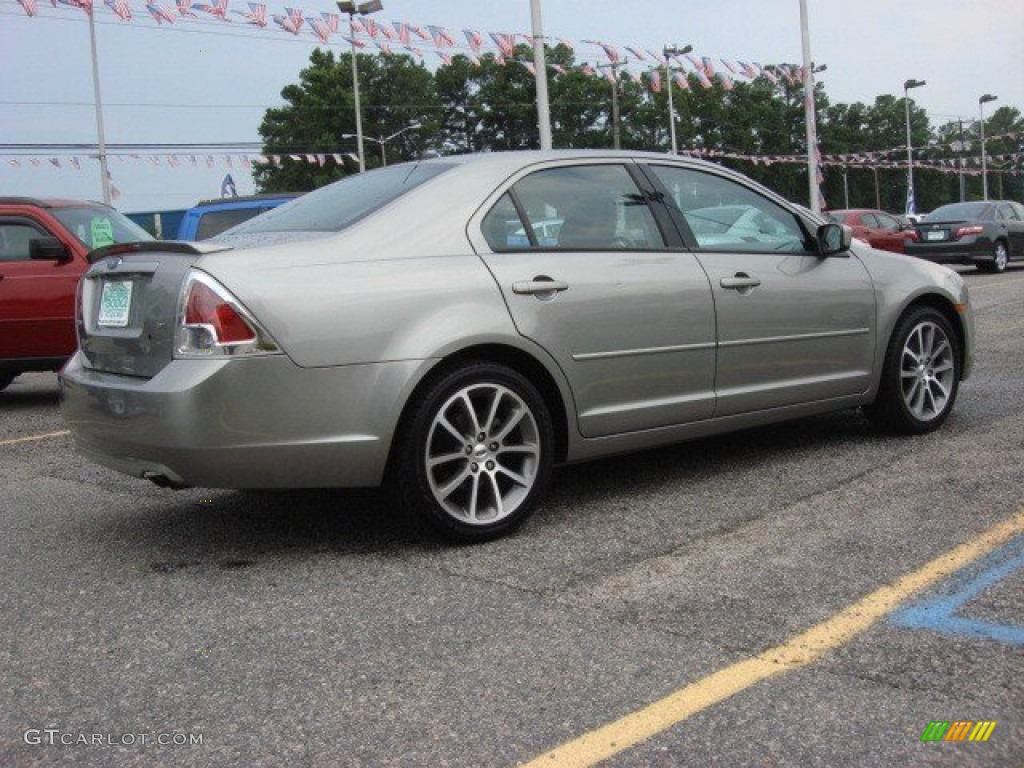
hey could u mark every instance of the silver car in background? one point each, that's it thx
(425, 327)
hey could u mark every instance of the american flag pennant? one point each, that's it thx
(353, 41)
(637, 77)
(611, 52)
(227, 161)
(414, 50)
(185, 8)
(31, 9)
(35, 161)
(655, 77)
(709, 66)
(338, 159)
(697, 66)
(475, 40)
(172, 161)
(725, 80)
(244, 162)
(402, 32)
(320, 29)
(704, 80)
(656, 56)
(587, 70)
(731, 66)
(85, 5)
(528, 39)
(120, 8)
(748, 70)
(355, 26)
(287, 24)
(440, 36)
(420, 32)
(767, 73)
(529, 67)
(370, 26)
(322, 160)
(474, 59)
(445, 57)
(257, 14)
(193, 159)
(383, 46)
(210, 162)
(682, 81)
(76, 163)
(333, 22)
(219, 9)
(311, 159)
(637, 53)
(55, 162)
(160, 12)
(387, 31)
(296, 15)
(506, 43)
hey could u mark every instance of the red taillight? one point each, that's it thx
(911, 234)
(973, 229)
(204, 307)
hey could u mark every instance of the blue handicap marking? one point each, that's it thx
(939, 611)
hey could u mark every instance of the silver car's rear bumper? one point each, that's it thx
(246, 423)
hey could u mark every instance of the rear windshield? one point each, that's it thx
(958, 211)
(96, 227)
(336, 206)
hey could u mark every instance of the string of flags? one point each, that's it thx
(641, 65)
(1004, 163)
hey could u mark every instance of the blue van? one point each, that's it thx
(211, 217)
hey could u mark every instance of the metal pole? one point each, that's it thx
(962, 149)
(846, 189)
(100, 137)
(616, 140)
(671, 108)
(541, 76)
(812, 133)
(910, 156)
(878, 194)
(359, 115)
(984, 163)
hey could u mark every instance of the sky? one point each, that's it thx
(210, 82)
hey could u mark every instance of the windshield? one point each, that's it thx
(95, 226)
(338, 205)
(959, 211)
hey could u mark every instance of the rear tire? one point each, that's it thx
(474, 455)
(920, 375)
(1000, 258)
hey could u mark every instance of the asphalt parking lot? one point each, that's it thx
(808, 594)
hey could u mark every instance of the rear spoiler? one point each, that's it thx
(154, 246)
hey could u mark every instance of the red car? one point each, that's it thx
(43, 247)
(879, 229)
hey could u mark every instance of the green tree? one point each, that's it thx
(320, 111)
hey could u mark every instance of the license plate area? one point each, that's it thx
(115, 304)
(935, 234)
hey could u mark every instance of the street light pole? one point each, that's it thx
(614, 67)
(984, 163)
(809, 120)
(363, 9)
(540, 74)
(101, 142)
(907, 85)
(671, 50)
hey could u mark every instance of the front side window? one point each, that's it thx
(723, 215)
(578, 207)
(888, 223)
(14, 239)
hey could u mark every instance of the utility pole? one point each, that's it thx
(101, 144)
(614, 67)
(669, 51)
(540, 73)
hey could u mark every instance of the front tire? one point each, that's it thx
(475, 454)
(920, 375)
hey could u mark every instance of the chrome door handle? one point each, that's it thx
(539, 285)
(740, 282)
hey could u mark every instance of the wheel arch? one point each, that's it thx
(512, 357)
(947, 309)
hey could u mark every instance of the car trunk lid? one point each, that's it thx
(128, 304)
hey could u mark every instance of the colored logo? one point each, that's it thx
(958, 730)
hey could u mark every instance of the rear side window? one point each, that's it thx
(338, 205)
(579, 207)
(97, 227)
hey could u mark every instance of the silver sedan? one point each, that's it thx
(454, 328)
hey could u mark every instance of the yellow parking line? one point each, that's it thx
(32, 438)
(595, 746)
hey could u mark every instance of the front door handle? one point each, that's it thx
(540, 284)
(741, 282)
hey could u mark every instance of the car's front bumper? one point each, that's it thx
(246, 423)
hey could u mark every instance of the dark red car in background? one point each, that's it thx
(879, 229)
(43, 247)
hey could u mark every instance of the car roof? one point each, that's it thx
(50, 202)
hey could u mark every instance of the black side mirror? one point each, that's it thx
(833, 238)
(48, 249)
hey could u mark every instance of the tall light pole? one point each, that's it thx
(809, 120)
(384, 140)
(363, 9)
(907, 85)
(671, 50)
(614, 67)
(984, 163)
(101, 142)
(540, 74)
